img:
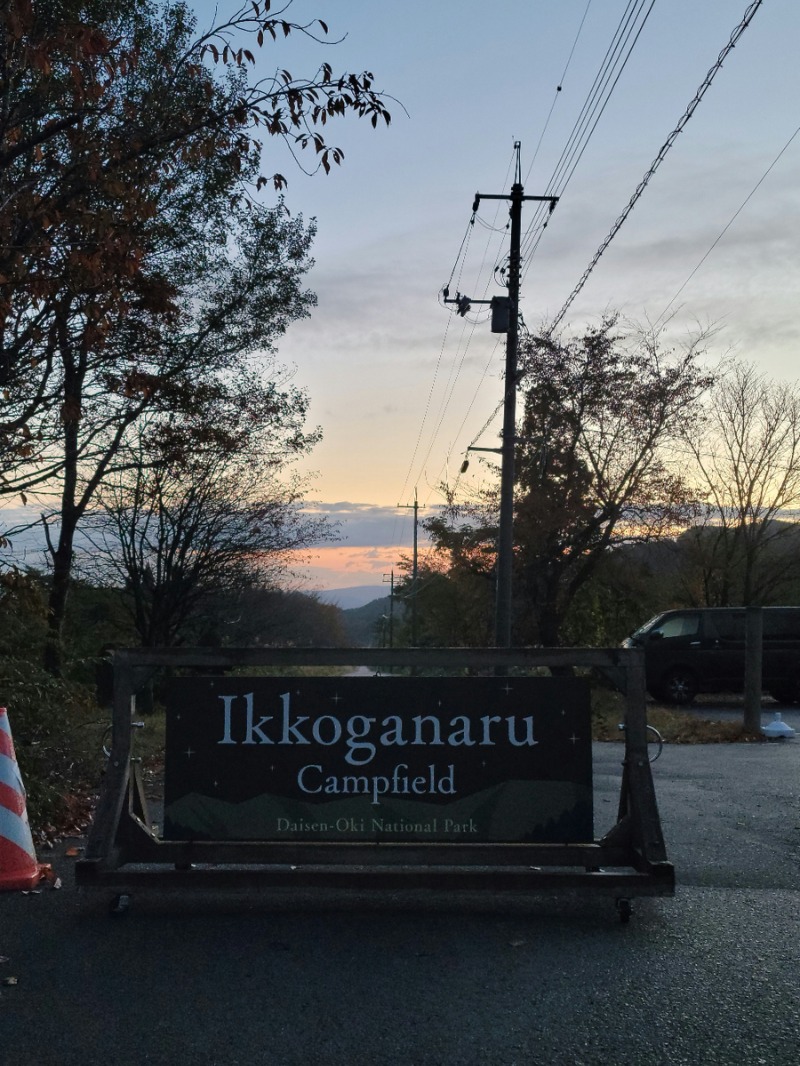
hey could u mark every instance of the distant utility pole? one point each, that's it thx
(415, 505)
(390, 578)
(505, 539)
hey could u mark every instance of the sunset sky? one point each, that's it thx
(399, 384)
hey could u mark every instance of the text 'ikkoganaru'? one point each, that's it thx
(363, 734)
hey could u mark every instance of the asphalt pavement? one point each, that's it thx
(709, 978)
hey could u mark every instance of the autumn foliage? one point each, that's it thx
(132, 234)
(104, 106)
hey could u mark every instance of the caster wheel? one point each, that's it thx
(624, 910)
(119, 905)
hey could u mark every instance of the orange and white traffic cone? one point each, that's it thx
(18, 866)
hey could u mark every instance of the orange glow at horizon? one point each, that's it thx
(340, 566)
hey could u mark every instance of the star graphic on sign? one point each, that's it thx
(507, 688)
(574, 739)
(189, 753)
(336, 698)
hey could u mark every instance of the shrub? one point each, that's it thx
(53, 721)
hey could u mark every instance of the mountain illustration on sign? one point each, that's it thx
(514, 811)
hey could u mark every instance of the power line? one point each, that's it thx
(628, 24)
(468, 411)
(453, 379)
(690, 110)
(459, 258)
(616, 59)
(600, 79)
(462, 248)
(733, 218)
(558, 91)
(457, 364)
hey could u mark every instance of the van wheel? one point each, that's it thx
(678, 686)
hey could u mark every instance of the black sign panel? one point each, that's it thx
(476, 760)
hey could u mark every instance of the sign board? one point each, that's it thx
(381, 759)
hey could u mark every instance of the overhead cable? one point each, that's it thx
(576, 144)
(462, 249)
(467, 414)
(733, 218)
(457, 364)
(621, 45)
(459, 259)
(690, 110)
(558, 91)
(614, 62)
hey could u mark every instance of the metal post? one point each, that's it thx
(754, 629)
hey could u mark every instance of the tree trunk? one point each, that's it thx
(62, 554)
(57, 603)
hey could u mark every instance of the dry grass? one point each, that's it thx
(676, 726)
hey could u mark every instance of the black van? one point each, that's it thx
(703, 650)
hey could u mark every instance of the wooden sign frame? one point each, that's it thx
(124, 853)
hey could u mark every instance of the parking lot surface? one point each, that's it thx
(709, 977)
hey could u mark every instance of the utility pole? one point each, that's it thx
(390, 577)
(414, 571)
(505, 539)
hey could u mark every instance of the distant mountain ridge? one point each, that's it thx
(355, 596)
(368, 626)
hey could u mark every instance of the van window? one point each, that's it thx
(726, 625)
(678, 625)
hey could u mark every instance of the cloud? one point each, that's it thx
(363, 525)
(345, 566)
